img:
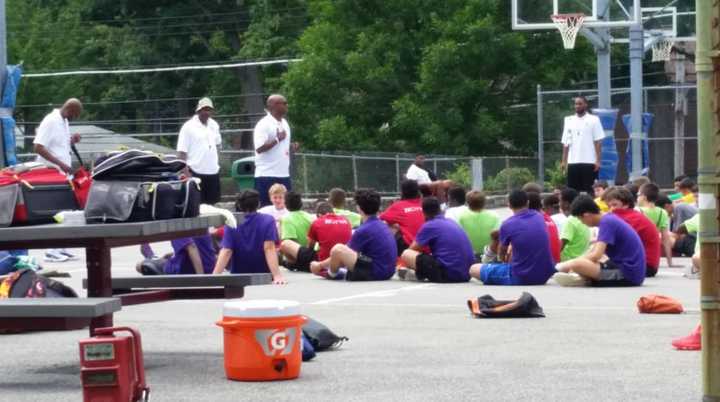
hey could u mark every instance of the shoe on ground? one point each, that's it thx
(69, 255)
(406, 274)
(337, 276)
(54, 256)
(570, 279)
(689, 342)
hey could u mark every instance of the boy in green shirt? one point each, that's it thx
(574, 235)
(478, 223)
(336, 198)
(648, 195)
(294, 228)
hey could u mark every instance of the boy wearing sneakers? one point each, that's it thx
(336, 198)
(251, 245)
(647, 197)
(616, 239)
(371, 253)
(622, 203)
(531, 262)
(326, 231)
(295, 227)
(477, 222)
(405, 216)
(451, 253)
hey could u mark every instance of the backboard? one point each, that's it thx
(535, 14)
(675, 23)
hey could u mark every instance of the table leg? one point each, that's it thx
(99, 280)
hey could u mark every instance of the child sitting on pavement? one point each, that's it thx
(277, 209)
(535, 203)
(625, 265)
(191, 255)
(250, 248)
(336, 198)
(456, 203)
(451, 253)
(622, 203)
(647, 197)
(371, 253)
(295, 227)
(326, 231)
(405, 216)
(531, 262)
(575, 235)
(599, 189)
(478, 223)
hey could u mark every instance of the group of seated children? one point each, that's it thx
(416, 239)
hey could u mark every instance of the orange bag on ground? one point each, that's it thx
(659, 304)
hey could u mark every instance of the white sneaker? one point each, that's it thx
(54, 256)
(406, 274)
(570, 279)
(69, 255)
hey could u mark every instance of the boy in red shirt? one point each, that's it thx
(622, 203)
(327, 230)
(535, 202)
(405, 216)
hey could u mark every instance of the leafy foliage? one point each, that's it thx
(462, 175)
(509, 178)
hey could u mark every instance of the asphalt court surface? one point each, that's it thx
(409, 341)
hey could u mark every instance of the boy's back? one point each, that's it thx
(329, 230)
(657, 216)
(449, 245)
(624, 247)
(247, 243)
(531, 262)
(295, 226)
(478, 225)
(374, 239)
(577, 237)
(408, 215)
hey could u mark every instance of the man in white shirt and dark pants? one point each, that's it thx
(271, 140)
(582, 139)
(53, 143)
(198, 144)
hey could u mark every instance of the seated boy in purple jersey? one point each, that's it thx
(372, 251)
(250, 248)
(616, 239)
(451, 253)
(191, 255)
(531, 262)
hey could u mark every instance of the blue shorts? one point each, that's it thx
(263, 184)
(497, 274)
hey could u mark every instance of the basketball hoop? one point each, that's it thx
(569, 25)
(661, 50)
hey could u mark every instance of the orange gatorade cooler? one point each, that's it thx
(263, 339)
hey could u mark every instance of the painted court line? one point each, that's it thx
(377, 293)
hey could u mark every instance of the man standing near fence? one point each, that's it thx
(581, 138)
(271, 139)
(198, 142)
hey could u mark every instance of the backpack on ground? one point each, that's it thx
(27, 283)
(321, 337)
(487, 307)
(659, 304)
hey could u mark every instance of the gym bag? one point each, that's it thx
(659, 304)
(138, 166)
(487, 307)
(321, 337)
(27, 283)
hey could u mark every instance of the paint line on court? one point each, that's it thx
(377, 293)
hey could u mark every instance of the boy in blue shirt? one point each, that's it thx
(252, 244)
(451, 253)
(372, 251)
(191, 255)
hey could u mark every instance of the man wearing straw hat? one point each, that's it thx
(198, 143)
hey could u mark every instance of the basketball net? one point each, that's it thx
(569, 25)
(661, 50)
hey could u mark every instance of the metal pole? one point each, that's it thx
(636, 98)
(507, 173)
(541, 137)
(305, 174)
(397, 173)
(354, 169)
(680, 112)
(708, 236)
(3, 75)
(603, 59)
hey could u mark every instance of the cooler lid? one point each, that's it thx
(261, 308)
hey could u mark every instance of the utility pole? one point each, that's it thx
(3, 76)
(707, 64)
(680, 114)
(637, 51)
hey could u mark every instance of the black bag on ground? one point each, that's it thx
(487, 307)
(27, 283)
(321, 337)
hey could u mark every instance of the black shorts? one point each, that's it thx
(209, 187)
(611, 276)
(650, 271)
(153, 266)
(581, 177)
(400, 242)
(685, 246)
(304, 257)
(427, 267)
(362, 271)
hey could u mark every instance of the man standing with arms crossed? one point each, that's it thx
(271, 139)
(582, 138)
(52, 144)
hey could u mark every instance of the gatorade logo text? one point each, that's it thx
(276, 341)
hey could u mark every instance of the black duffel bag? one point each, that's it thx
(139, 166)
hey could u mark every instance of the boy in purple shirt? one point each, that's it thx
(252, 244)
(451, 253)
(191, 255)
(626, 256)
(372, 251)
(526, 232)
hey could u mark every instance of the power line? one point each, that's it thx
(159, 69)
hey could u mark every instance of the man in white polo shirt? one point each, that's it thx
(198, 144)
(582, 138)
(52, 145)
(271, 139)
